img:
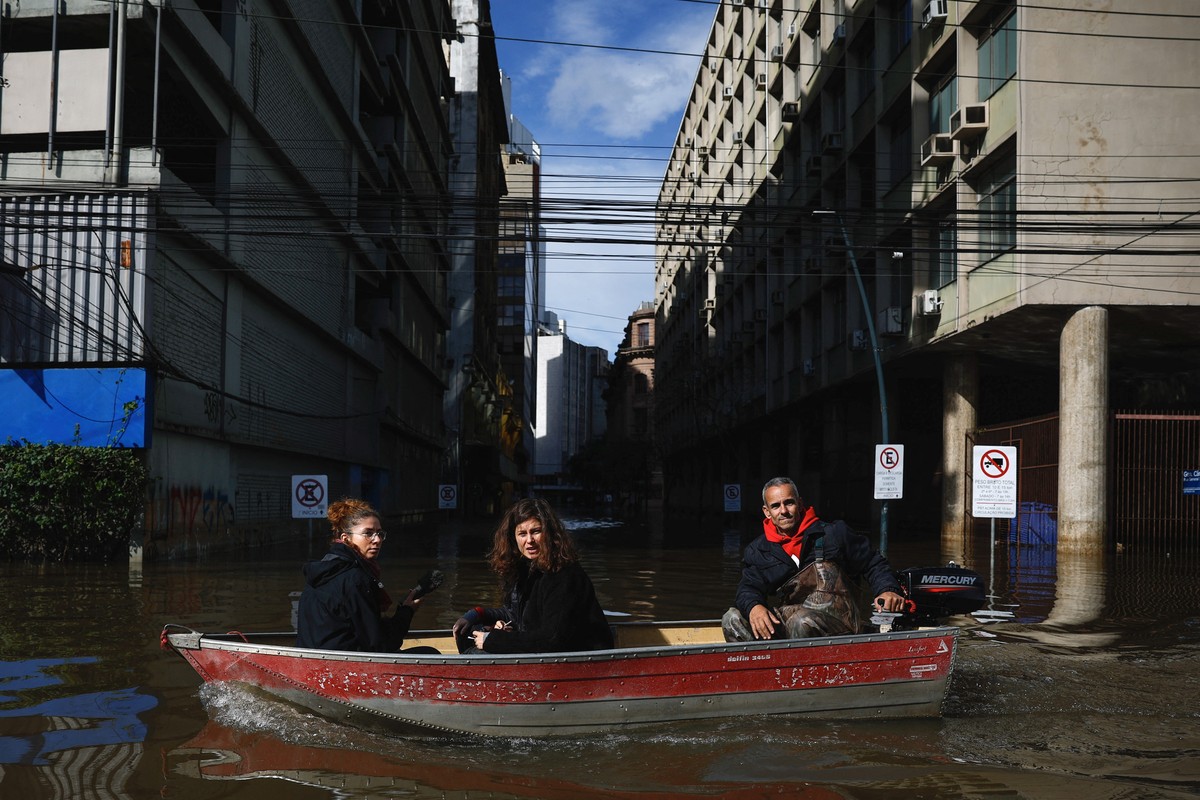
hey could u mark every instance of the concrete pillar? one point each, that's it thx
(960, 401)
(1083, 432)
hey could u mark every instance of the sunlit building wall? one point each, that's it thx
(998, 170)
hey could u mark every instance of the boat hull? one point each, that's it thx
(870, 675)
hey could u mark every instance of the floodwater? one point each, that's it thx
(1091, 689)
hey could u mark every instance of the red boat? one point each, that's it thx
(657, 673)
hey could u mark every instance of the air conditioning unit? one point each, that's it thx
(710, 303)
(687, 141)
(929, 303)
(737, 137)
(969, 121)
(777, 297)
(839, 33)
(934, 10)
(791, 110)
(791, 30)
(832, 142)
(858, 340)
(777, 53)
(761, 80)
(812, 166)
(808, 368)
(704, 151)
(890, 321)
(728, 91)
(938, 149)
(760, 314)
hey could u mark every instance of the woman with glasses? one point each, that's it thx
(549, 603)
(343, 602)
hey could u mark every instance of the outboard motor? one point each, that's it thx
(935, 593)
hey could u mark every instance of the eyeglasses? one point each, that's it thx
(380, 535)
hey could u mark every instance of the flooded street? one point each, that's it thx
(1089, 691)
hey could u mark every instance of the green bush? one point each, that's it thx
(68, 503)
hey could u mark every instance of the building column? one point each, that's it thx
(1083, 432)
(960, 401)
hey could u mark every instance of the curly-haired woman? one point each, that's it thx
(344, 601)
(549, 603)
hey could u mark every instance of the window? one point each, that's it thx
(510, 285)
(943, 261)
(900, 149)
(641, 384)
(943, 101)
(643, 334)
(900, 21)
(998, 57)
(509, 314)
(997, 194)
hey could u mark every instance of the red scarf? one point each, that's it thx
(792, 545)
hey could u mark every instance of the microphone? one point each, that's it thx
(429, 581)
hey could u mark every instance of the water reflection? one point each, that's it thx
(1087, 693)
(79, 744)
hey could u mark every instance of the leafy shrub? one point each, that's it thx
(67, 503)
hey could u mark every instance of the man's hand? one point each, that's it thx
(763, 622)
(889, 601)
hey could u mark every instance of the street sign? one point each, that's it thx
(447, 495)
(1191, 481)
(733, 497)
(994, 483)
(310, 496)
(889, 471)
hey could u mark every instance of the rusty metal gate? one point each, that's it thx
(1152, 453)
(1154, 463)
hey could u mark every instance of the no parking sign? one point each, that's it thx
(447, 495)
(733, 497)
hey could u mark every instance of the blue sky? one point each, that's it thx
(606, 120)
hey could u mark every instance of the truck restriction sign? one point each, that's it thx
(994, 484)
(310, 495)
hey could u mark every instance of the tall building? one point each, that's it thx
(903, 221)
(483, 426)
(223, 231)
(521, 276)
(570, 404)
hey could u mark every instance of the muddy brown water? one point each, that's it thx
(1091, 689)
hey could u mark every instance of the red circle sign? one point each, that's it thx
(309, 493)
(889, 458)
(994, 463)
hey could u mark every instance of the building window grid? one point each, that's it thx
(997, 197)
(998, 57)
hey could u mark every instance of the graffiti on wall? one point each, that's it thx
(193, 511)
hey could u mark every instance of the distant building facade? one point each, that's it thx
(630, 406)
(570, 403)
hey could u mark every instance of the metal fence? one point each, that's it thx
(1154, 464)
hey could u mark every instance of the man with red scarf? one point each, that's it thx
(788, 545)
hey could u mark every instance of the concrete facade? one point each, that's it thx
(292, 180)
(995, 174)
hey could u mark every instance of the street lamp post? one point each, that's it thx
(883, 408)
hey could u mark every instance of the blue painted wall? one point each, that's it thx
(46, 405)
